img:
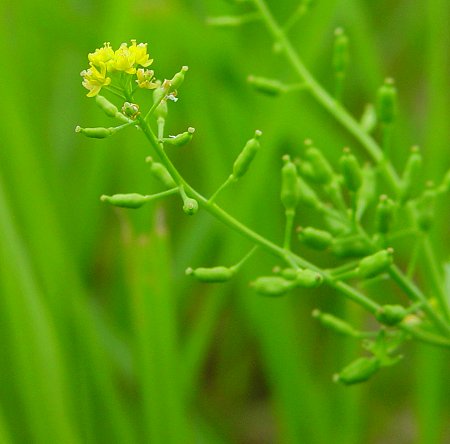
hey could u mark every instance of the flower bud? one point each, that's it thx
(322, 171)
(391, 314)
(131, 110)
(290, 192)
(178, 79)
(272, 285)
(214, 274)
(411, 175)
(384, 214)
(376, 264)
(132, 200)
(358, 371)
(246, 156)
(190, 206)
(314, 238)
(270, 87)
(335, 324)
(351, 171)
(387, 102)
(180, 139)
(340, 53)
(96, 133)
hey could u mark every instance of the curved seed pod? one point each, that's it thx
(270, 87)
(245, 157)
(290, 192)
(95, 133)
(369, 118)
(334, 323)
(308, 279)
(272, 285)
(180, 139)
(425, 206)
(387, 102)
(350, 247)
(132, 200)
(315, 238)
(108, 108)
(375, 264)
(385, 214)
(351, 171)
(322, 171)
(178, 79)
(411, 174)
(391, 314)
(340, 53)
(190, 206)
(358, 371)
(159, 171)
(214, 274)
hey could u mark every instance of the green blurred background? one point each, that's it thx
(104, 339)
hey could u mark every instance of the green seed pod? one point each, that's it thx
(314, 238)
(323, 173)
(290, 192)
(132, 200)
(367, 191)
(159, 171)
(178, 79)
(384, 214)
(387, 102)
(340, 53)
(358, 371)
(180, 139)
(350, 247)
(425, 206)
(214, 274)
(272, 285)
(190, 206)
(289, 273)
(108, 108)
(267, 86)
(375, 264)
(95, 133)
(391, 314)
(308, 279)
(411, 174)
(307, 195)
(351, 171)
(335, 324)
(245, 157)
(369, 118)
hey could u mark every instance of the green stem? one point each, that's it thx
(290, 214)
(230, 180)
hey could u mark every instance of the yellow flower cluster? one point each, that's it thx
(126, 59)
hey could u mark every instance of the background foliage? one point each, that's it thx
(104, 339)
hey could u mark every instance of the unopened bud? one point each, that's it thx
(387, 102)
(351, 171)
(290, 191)
(190, 206)
(376, 264)
(391, 314)
(272, 285)
(385, 214)
(246, 156)
(314, 238)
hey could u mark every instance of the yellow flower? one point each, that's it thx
(144, 78)
(101, 56)
(140, 53)
(123, 60)
(93, 79)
